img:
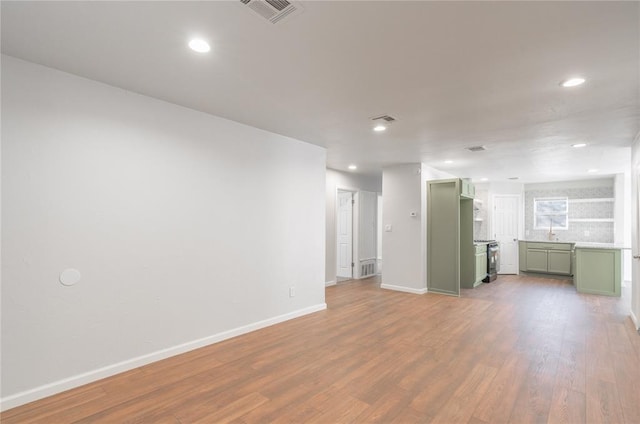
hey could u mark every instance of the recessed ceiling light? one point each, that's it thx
(513, 178)
(572, 82)
(593, 170)
(484, 179)
(448, 161)
(579, 145)
(379, 128)
(199, 45)
(353, 167)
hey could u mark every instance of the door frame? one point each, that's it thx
(354, 228)
(635, 233)
(520, 231)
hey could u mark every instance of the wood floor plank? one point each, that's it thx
(567, 406)
(603, 403)
(521, 349)
(498, 403)
(231, 411)
(572, 367)
(460, 407)
(627, 370)
(387, 408)
(72, 405)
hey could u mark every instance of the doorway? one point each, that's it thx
(344, 236)
(506, 220)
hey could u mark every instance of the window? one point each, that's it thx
(551, 213)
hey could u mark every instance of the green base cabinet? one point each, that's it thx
(546, 257)
(481, 264)
(598, 271)
(537, 260)
(559, 262)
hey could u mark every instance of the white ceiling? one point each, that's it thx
(453, 74)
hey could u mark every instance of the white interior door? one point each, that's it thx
(506, 216)
(345, 234)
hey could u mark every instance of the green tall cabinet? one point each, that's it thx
(450, 248)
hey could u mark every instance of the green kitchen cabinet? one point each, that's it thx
(537, 260)
(598, 271)
(450, 248)
(481, 264)
(559, 262)
(546, 257)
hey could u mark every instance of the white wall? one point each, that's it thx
(341, 180)
(187, 228)
(402, 246)
(635, 227)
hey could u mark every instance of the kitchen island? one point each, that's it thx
(598, 268)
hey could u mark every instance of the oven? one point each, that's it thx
(493, 261)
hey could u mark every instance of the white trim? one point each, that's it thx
(100, 373)
(635, 320)
(330, 283)
(354, 227)
(404, 289)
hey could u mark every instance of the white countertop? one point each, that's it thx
(587, 245)
(549, 241)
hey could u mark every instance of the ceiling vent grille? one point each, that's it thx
(385, 118)
(476, 149)
(274, 11)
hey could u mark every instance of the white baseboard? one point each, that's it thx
(330, 283)
(404, 289)
(635, 320)
(100, 373)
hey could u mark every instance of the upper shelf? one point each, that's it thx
(596, 200)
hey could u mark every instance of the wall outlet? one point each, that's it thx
(292, 292)
(526, 233)
(586, 233)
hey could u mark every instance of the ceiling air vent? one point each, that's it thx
(476, 149)
(274, 10)
(385, 118)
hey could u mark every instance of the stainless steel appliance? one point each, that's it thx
(493, 259)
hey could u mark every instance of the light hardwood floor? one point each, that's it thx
(519, 350)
